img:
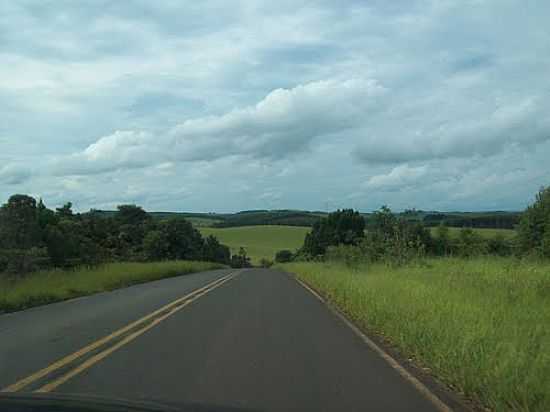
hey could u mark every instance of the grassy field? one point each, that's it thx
(259, 241)
(486, 233)
(55, 285)
(202, 222)
(265, 241)
(480, 325)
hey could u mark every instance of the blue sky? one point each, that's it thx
(224, 106)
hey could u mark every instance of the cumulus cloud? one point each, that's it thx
(14, 174)
(284, 122)
(281, 124)
(399, 177)
(122, 149)
(487, 133)
(406, 103)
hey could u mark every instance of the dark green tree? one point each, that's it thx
(341, 227)
(66, 211)
(283, 256)
(214, 251)
(241, 259)
(21, 243)
(156, 246)
(534, 226)
(131, 215)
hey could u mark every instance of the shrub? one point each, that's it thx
(351, 256)
(500, 246)
(240, 260)
(266, 263)
(470, 243)
(534, 226)
(283, 256)
(341, 227)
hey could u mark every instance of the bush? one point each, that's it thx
(266, 263)
(240, 260)
(470, 243)
(534, 227)
(500, 246)
(341, 227)
(443, 244)
(351, 256)
(283, 256)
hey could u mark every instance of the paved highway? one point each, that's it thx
(245, 340)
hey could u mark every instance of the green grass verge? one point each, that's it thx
(486, 233)
(259, 241)
(55, 285)
(482, 326)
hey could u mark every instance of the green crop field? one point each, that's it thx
(202, 222)
(486, 233)
(259, 241)
(264, 241)
(480, 325)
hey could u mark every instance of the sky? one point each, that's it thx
(218, 106)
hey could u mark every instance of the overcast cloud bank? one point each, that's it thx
(427, 104)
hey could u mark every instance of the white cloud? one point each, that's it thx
(409, 103)
(281, 124)
(13, 174)
(486, 133)
(284, 122)
(399, 177)
(120, 150)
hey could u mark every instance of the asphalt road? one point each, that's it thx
(258, 341)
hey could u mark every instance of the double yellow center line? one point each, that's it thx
(136, 328)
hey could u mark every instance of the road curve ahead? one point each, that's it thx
(249, 340)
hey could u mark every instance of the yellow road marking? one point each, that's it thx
(423, 389)
(74, 356)
(102, 355)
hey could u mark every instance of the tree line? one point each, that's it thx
(492, 220)
(388, 237)
(33, 237)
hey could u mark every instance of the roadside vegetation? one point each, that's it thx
(57, 284)
(480, 325)
(472, 309)
(33, 237)
(48, 255)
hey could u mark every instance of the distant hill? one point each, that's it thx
(289, 217)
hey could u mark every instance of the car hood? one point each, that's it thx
(84, 403)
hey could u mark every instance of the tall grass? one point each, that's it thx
(55, 285)
(482, 326)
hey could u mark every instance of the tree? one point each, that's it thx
(534, 226)
(214, 251)
(184, 241)
(283, 256)
(19, 228)
(470, 243)
(65, 211)
(240, 260)
(131, 215)
(156, 246)
(341, 227)
(442, 240)
(45, 216)
(21, 243)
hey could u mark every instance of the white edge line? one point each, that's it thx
(423, 389)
